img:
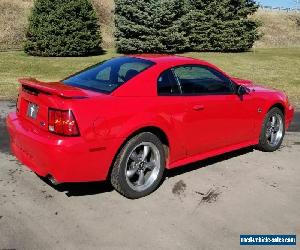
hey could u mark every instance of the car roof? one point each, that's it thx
(162, 58)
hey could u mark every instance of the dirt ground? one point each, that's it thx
(206, 205)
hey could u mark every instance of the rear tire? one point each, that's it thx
(273, 130)
(139, 167)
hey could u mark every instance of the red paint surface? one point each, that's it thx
(196, 127)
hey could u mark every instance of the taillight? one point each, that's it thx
(62, 122)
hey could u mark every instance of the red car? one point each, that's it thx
(130, 118)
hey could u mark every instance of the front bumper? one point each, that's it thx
(289, 116)
(67, 159)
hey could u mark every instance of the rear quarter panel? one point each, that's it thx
(123, 116)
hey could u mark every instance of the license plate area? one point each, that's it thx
(32, 110)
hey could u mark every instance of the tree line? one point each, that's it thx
(71, 28)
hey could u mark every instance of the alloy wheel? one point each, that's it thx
(142, 166)
(274, 130)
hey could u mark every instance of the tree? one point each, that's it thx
(221, 25)
(145, 26)
(63, 28)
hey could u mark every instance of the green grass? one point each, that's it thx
(277, 68)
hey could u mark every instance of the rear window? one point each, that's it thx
(109, 75)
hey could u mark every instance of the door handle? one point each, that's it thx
(198, 107)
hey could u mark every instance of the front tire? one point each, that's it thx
(273, 131)
(139, 167)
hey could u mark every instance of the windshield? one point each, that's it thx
(109, 75)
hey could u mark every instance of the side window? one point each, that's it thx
(202, 80)
(167, 84)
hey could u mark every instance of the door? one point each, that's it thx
(173, 108)
(215, 116)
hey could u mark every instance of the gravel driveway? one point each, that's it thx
(206, 205)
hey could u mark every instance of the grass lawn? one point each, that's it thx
(278, 68)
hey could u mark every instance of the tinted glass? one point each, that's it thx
(109, 75)
(167, 84)
(202, 80)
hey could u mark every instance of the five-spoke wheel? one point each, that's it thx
(139, 166)
(142, 166)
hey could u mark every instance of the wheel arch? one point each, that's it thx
(154, 130)
(279, 106)
(263, 144)
(161, 134)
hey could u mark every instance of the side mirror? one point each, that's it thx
(242, 90)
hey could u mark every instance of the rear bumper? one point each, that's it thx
(67, 159)
(289, 116)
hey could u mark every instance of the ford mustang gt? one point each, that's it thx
(130, 118)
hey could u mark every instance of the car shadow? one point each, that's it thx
(207, 162)
(81, 189)
(84, 189)
(4, 137)
(93, 188)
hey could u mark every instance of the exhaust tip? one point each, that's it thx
(53, 181)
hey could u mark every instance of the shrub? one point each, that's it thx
(150, 26)
(178, 25)
(63, 28)
(221, 25)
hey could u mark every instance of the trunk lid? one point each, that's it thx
(36, 97)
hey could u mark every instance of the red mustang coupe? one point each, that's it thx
(130, 118)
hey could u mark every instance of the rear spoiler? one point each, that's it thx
(53, 88)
